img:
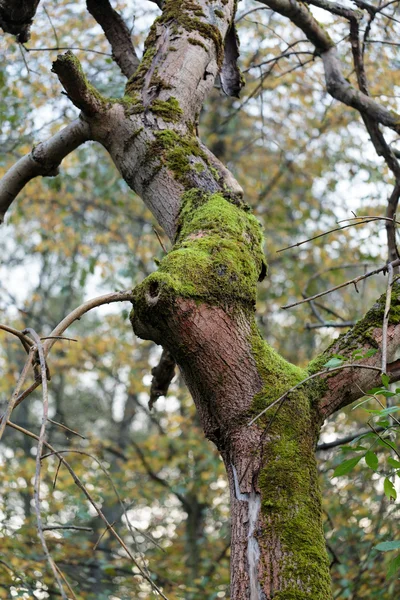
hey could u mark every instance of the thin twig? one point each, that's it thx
(74, 527)
(67, 428)
(41, 440)
(315, 237)
(383, 439)
(160, 240)
(81, 486)
(394, 263)
(56, 48)
(324, 372)
(14, 398)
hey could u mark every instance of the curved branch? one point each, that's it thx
(43, 160)
(336, 84)
(117, 33)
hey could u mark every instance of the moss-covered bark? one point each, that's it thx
(200, 305)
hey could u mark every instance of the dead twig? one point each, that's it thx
(354, 281)
(82, 487)
(319, 374)
(41, 440)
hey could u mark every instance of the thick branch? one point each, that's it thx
(117, 33)
(85, 97)
(43, 160)
(16, 17)
(336, 9)
(346, 386)
(336, 84)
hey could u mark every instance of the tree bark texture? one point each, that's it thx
(200, 303)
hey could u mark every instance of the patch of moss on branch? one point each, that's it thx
(196, 42)
(176, 152)
(169, 109)
(216, 258)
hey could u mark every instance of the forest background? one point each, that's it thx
(306, 162)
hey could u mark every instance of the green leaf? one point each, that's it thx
(387, 393)
(393, 462)
(333, 362)
(385, 380)
(389, 490)
(394, 566)
(384, 411)
(385, 443)
(372, 460)
(387, 546)
(371, 352)
(346, 466)
(346, 449)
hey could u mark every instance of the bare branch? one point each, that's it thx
(345, 440)
(117, 33)
(43, 160)
(16, 17)
(82, 487)
(354, 281)
(41, 441)
(336, 84)
(366, 337)
(77, 313)
(14, 398)
(336, 9)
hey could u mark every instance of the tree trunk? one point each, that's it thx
(278, 549)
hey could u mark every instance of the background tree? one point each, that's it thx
(95, 238)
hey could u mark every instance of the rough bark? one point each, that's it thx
(16, 17)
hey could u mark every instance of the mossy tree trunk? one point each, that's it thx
(200, 303)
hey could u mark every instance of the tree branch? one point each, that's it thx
(163, 374)
(336, 84)
(16, 17)
(344, 387)
(336, 9)
(44, 160)
(117, 33)
(81, 93)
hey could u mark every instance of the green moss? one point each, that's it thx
(219, 13)
(158, 82)
(132, 104)
(195, 42)
(361, 334)
(217, 256)
(176, 151)
(169, 109)
(136, 82)
(181, 13)
(288, 483)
